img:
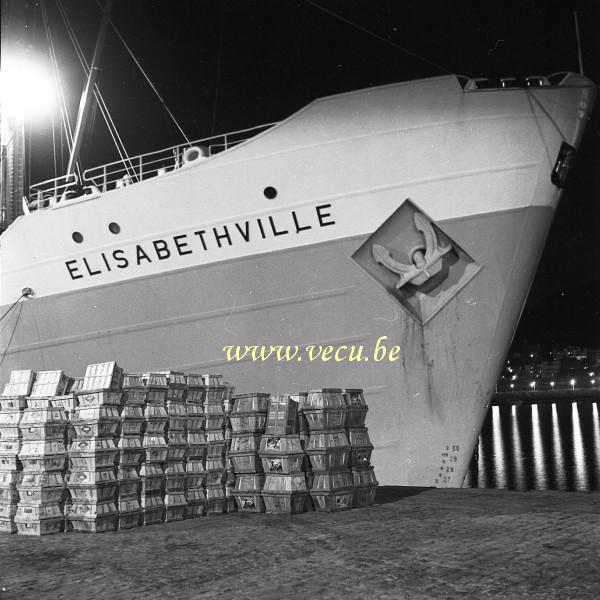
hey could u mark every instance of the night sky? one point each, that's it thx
(231, 64)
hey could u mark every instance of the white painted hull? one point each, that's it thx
(477, 164)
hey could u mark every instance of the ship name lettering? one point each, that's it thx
(217, 237)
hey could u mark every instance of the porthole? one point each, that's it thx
(114, 228)
(77, 237)
(270, 192)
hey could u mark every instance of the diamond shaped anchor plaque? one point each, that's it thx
(416, 262)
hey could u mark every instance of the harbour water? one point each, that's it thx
(541, 446)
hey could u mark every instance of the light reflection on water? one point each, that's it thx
(540, 446)
(541, 481)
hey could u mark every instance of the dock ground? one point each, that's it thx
(413, 543)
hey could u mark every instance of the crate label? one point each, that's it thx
(273, 443)
(275, 464)
(247, 502)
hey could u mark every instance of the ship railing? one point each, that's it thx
(152, 164)
(45, 193)
(134, 169)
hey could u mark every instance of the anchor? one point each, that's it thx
(426, 260)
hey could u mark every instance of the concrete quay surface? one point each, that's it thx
(414, 543)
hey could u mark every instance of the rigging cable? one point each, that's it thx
(25, 294)
(139, 66)
(219, 56)
(12, 334)
(112, 128)
(377, 36)
(61, 96)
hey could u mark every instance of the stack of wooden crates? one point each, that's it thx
(92, 481)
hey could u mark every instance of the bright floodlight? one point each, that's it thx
(26, 89)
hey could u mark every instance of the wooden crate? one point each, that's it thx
(364, 496)
(197, 509)
(356, 416)
(249, 501)
(325, 418)
(128, 487)
(282, 416)
(15, 404)
(275, 482)
(363, 476)
(332, 501)
(46, 431)
(325, 398)
(196, 438)
(153, 516)
(49, 383)
(129, 520)
(101, 428)
(196, 453)
(323, 440)
(129, 458)
(37, 464)
(98, 524)
(250, 402)
(281, 444)
(358, 437)
(100, 492)
(11, 462)
(330, 459)
(103, 376)
(79, 477)
(40, 494)
(151, 485)
(11, 477)
(215, 499)
(214, 422)
(248, 422)
(132, 427)
(246, 462)
(41, 527)
(9, 449)
(9, 495)
(331, 481)
(10, 418)
(68, 403)
(38, 512)
(284, 502)
(245, 442)
(85, 461)
(7, 525)
(283, 463)
(214, 463)
(128, 504)
(99, 398)
(177, 452)
(8, 510)
(249, 482)
(215, 449)
(215, 477)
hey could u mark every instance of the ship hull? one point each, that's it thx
(428, 402)
(307, 276)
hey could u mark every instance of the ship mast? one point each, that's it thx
(85, 105)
